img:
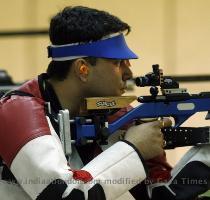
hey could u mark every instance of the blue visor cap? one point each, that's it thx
(114, 47)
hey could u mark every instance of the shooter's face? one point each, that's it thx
(108, 77)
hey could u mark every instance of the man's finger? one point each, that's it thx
(164, 122)
(167, 122)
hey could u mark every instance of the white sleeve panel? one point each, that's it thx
(38, 163)
(117, 170)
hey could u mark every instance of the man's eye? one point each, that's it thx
(117, 62)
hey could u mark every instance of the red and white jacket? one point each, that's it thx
(31, 149)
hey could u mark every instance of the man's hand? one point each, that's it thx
(148, 138)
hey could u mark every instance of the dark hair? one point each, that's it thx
(80, 24)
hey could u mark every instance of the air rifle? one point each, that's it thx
(172, 102)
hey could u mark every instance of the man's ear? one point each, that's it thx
(81, 69)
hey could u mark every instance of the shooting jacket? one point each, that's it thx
(34, 160)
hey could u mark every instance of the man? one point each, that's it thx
(89, 58)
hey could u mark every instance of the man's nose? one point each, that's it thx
(126, 71)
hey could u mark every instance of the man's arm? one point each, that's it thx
(33, 152)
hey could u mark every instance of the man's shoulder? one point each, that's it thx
(16, 103)
(27, 96)
(17, 108)
(31, 87)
